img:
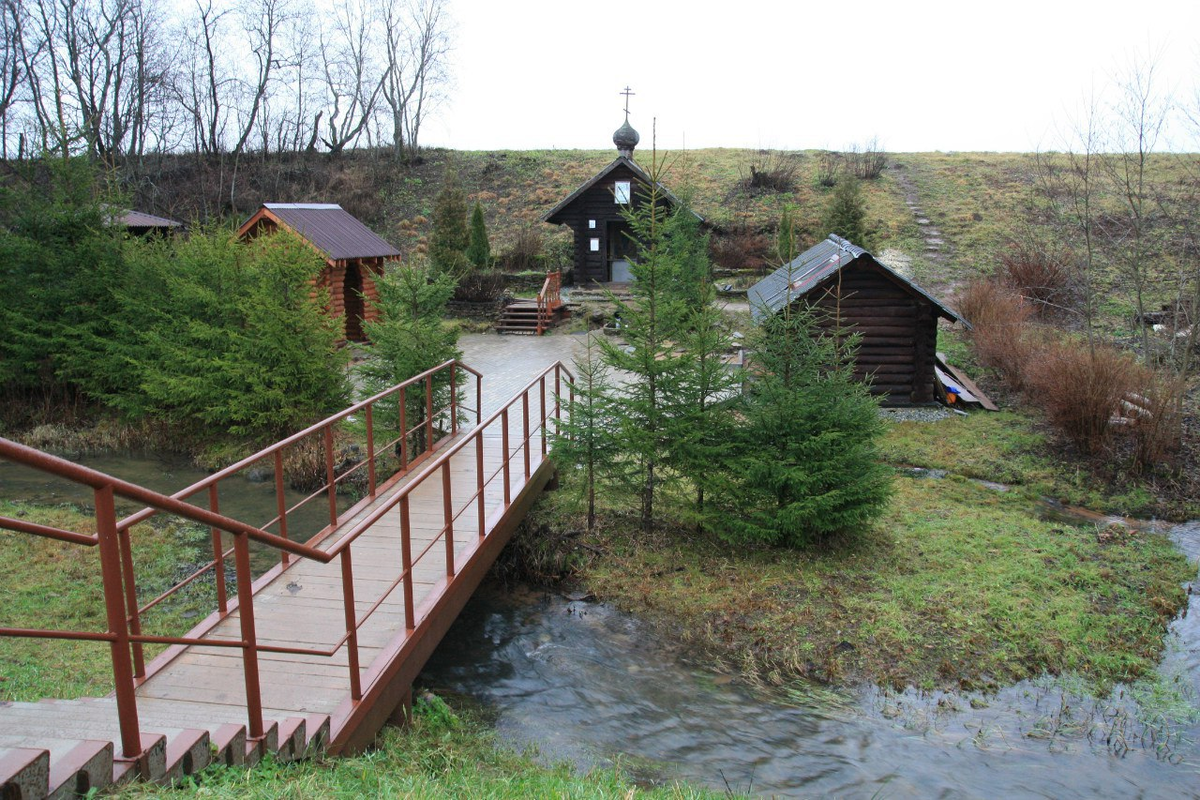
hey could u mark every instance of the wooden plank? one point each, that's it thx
(968, 384)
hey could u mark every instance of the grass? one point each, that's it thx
(442, 754)
(56, 586)
(960, 585)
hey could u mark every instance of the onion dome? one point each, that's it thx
(626, 138)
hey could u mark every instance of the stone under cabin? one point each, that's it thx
(897, 319)
(354, 255)
(595, 212)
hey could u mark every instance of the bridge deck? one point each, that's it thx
(302, 606)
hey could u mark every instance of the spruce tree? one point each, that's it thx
(450, 239)
(808, 463)
(410, 337)
(586, 437)
(651, 322)
(846, 214)
(479, 251)
(785, 241)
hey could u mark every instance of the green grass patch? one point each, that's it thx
(51, 585)
(442, 754)
(959, 586)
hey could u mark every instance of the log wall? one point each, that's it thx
(597, 204)
(898, 328)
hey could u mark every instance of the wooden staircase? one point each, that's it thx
(535, 317)
(63, 748)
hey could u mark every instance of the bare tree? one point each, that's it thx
(1139, 116)
(12, 74)
(417, 44)
(352, 82)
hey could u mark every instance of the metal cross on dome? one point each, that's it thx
(628, 93)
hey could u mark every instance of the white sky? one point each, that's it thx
(792, 74)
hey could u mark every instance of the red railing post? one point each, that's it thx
(542, 415)
(406, 557)
(527, 434)
(478, 399)
(219, 549)
(507, 456)
(448, 518)
(134, 617)
(479, 482)
(453, 400)
(110, 572)
(428, 413)
(351, 624)
(403, 431)
(557, 398)
(370, 452)
(280, 505)
(245, 592)
(329, 475)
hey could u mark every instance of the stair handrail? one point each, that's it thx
(549, 299)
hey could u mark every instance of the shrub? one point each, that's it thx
(479, 251)
(774, 171)
(450, 238)
(829, 164)
(742, 249)
(480, 287)
(1081, 389)
(1043, 275)
(868, 162)
(525, 252)
(1157, 421)
(1000, 331)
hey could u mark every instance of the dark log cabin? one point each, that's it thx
(354, 255)
(596, 212)
(897, 319)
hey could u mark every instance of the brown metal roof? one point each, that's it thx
(332, 230)
(140, 219)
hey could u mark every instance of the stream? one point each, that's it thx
(587, 684)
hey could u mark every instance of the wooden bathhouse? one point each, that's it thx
(596, 210)
(897, 319)
(354, 255)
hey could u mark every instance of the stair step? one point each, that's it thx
(86, 766)
(151, 765)
(24, 772)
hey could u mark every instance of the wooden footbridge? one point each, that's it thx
(320, 651)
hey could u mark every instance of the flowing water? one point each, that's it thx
(587, 684)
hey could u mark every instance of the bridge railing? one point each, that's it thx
(122, 611)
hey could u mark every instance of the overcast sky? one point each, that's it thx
(796, 75)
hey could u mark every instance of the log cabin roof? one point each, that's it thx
(552, 215)
(327, 227)
(824, 259)
(140, 219)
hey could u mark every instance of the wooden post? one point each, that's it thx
(448, 518)
(245, 591)
(406, 562)
(280, 505)
(329, 475)
(351, 613)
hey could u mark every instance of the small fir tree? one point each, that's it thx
(586, 438)
(410, 337)
(846, 214)
(786, 240)
(479, 251)
(808, 463)
(450, 238)
(651, 323)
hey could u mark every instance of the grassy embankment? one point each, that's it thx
(56, 586)
(959, 585)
